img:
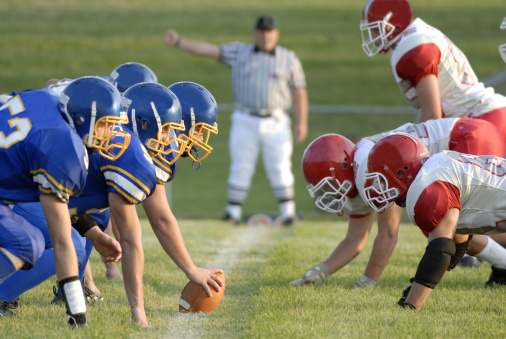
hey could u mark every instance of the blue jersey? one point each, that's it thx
(39, 151)
(132, 176)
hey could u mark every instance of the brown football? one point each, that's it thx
(194, 298)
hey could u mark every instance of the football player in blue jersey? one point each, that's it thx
(125, 181)
(129, 74)
(122, 77)
(44, 160)
(165, 151)
(155, 117)
(200, 114)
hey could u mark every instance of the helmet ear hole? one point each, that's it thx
(400, 173)
(144, 124)
(344, 166)
(79, 119)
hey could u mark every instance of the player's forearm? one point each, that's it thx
(382, 250)
(133, 269)
(378, 261)
(59, 225)
(300, 105)
(169, 236)
(429, 98)
(343, 254)
(418, 295)
(199, 48)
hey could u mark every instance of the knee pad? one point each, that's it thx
(435, 262)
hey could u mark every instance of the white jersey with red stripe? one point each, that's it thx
(435, 135)
(424, 50)
(476, 185)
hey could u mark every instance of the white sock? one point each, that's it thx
(234, 211)
(494, 254)
(287, 209)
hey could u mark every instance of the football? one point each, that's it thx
(194, 299)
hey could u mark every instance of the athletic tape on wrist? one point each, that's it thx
(72, 290)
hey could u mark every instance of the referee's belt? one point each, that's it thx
(262, 113)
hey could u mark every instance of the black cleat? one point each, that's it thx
(58, 298)
(497, 277)
(77, 321)
(287, 222)
(91, 297)
(5, 309)
(228, 218)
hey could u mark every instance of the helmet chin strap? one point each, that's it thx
(194, 162)
(92, 124)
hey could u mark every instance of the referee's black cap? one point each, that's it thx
(266, 22)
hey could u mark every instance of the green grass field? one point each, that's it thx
(44, 39)
(258, 263)
(66, 39)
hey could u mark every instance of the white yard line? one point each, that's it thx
(193, 325)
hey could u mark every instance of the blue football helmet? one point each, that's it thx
(92, 107)
(200, 113)
(153, 110)
(129, 74)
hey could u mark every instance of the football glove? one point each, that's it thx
(315, 275)
(363, 282)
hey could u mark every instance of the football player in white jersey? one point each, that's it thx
(449, 195)
(335, 169)
(433, 74)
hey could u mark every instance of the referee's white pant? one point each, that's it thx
(273, 137)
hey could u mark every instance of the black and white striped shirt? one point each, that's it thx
(262, 80)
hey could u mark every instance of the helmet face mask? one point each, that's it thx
(378, 194)
(198, 139)
(327, 168)
(375, 36)
(200, 114)
(330, 195)
(392, 166)
(155, 117)
(91, 106)
(104, 131)
(382, 24)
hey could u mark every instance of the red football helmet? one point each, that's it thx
(326, 166)
(382, 23)
(392, 166)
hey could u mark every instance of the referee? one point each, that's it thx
(266, 80)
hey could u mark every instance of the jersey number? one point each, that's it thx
(22, 126)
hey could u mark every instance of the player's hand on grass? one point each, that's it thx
(315, 275)
(205, 278)
(364, 282)
(108, 247)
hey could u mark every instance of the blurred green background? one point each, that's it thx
(66, 39)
